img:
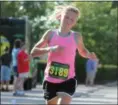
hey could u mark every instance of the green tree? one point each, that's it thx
(36, 12)
(98, 25)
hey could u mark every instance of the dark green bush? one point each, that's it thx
(106, 75)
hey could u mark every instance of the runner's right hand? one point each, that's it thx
(56, 48)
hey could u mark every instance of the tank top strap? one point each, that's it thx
(74, 37)
(54, 32)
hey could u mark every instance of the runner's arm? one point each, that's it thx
(83, 50)
(38, 49)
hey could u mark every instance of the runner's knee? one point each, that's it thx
(65, 100)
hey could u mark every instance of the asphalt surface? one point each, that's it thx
(99, 94)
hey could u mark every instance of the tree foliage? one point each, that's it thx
(36, 12)
(97, 23)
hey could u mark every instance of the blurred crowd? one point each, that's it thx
(17, 63)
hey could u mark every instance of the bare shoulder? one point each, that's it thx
(78, 35)
(49, 31)
(47, 34)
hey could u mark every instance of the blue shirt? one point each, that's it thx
(14, 56)
(91, 65)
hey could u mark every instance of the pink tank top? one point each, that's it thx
(60, 65)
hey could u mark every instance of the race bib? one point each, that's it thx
(59, 70)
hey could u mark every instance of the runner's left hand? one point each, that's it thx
(92, 55)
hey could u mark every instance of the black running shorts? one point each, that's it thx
(51, 89)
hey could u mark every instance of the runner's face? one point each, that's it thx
(69, 19)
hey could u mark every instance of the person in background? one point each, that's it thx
(91, 70)
(5, 70)
(23, 68)
(15, 50)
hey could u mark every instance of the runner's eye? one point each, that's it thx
(72, 20)
(67, 17)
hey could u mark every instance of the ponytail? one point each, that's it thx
(57, 13)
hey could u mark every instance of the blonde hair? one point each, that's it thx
(60, 9)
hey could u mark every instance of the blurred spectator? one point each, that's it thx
(5, 69)
(23, 68)
(15, 50)
(91, 70)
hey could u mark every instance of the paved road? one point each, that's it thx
(100, 94)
